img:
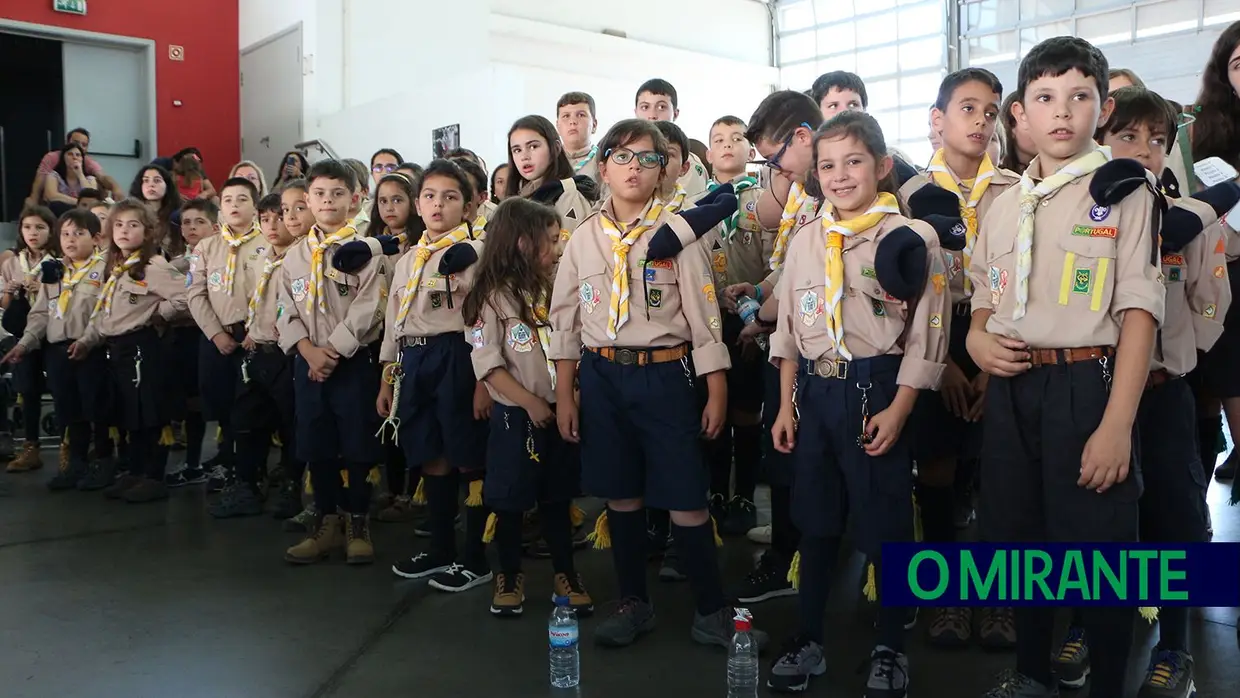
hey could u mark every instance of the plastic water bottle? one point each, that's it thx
(743, 659)
(747, 308)
(562, 639)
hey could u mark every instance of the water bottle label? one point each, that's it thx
(562, 637)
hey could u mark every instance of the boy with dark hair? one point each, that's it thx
(576, 120)
(360, 213)
(657, 101)
(88, 197)
(945, 423)
(481, 205)
(1066, 332)
(221, 277)
(330, 319)
(839, 91)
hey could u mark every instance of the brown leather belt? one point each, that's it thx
(1052, 357)
(641, 357)
(1157, 378)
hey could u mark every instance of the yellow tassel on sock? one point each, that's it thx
(419, 495)
(714, 525)
(344, 478)
(309, 488)
(275, 441)
(919, 533)
(18, 401)
(373, 476)
(601, 535)
(114, 434)
(475, 494)
(576, 515)
(871, 584)
(1149, 613)
(488, 533)
(219, 434)
(794, 571)
(166, 438)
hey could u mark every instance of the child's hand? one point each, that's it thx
(540, 412)
(731, 293)
(956, 390)
(482, 402)
(566, 418)
(224, 343)
(783, 434)
(884, 430)
(77, 352)
(383, 405)
(713, 416)
(322, 361)
(750, 333)
(248, 343)
(980, 381)
(14, 356)
(1001, 356)
(1105, 460)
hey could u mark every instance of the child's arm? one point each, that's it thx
(36, 328)
(169, 284)
(290, 329)
(565, 317)
(925, 341)
(1209, 291)
(200, 302)
(996, 355)
(389, 352)
(363, 313)
(700, 306)
(786, 357)
(208, 190)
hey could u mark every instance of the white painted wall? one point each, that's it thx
(384, 74)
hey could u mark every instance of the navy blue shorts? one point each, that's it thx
(515, 481)
(778, 465)
(337, 419)
(264, 401)
(1037, 425)
(218, 375)
(1173, 508)
(745, 386)
(933, 431)
(138, 365)
(836, 483)
(641, 433)
(80, 389)
(436, 406)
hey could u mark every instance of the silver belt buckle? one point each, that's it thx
(626, 357)
(415, 341)
(827, 368)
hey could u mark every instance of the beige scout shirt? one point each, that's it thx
(211, 304)
(436, 307)
(45, 321)
(1198, 295)
(585, 162)
(11, 268)
(354, 316)
(696, 180)
(999, 183)
(267, 314)
(741, 255)
(1090, 264)
(672, 302)
(875, 323)
(161, 292)
(806, 213)
(501, 339)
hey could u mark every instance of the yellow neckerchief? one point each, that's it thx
(541, 315)
(1030, 196)
(318, 252)
(109, 289)
(424, 250)
(676, 200)
(480, 225)
(968, 207)
(836, 231)
(29, 271)
(234, 243)
(76, 275)
(618, 313)
(260, 289)
(797, 197)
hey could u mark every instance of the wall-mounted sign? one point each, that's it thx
(73, 7)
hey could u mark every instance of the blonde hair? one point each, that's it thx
(262, 178)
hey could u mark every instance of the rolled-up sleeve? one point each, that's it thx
(1138, 283)
(783, 342)
(698, 302)
(925, 341)
(565, 311)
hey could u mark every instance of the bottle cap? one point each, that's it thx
(561, 601)
(743, 626)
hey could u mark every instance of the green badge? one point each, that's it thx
(880, 308)
(654, 299)
(869, 273)
(1173, 273)
(436, 300)
(1081, 281)
(279, 310)
(342, 289)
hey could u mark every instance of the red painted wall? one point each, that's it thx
(207, 81)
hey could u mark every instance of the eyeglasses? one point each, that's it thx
(383, 168)
(773, 161)
(648, 159)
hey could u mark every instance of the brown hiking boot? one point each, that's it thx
(64, 455)
(578, 598)
(509, 598)
(27, 460)
(327, 536)
(122, 483)
(401, 510)
(360, 550)
(145, 490)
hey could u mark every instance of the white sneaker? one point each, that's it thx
(760, 534)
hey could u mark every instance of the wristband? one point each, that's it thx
(757, 291)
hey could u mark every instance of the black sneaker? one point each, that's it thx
(657, 543)
(68, 478)
(742, 515)
(801, 660)
(420, 566)
(629, 619)
(287, 501)
(457, 578)
(1227, 471)
(99, 474)
(1170, 675)
(1071, 663)
(888, 674)
(1012, 684)
(768, 580)
(185, 476)
(238, 499)
(669, 570)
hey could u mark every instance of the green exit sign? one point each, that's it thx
(75, 7)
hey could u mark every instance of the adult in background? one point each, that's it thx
(248, 169)
(65, 183)
(81, 137)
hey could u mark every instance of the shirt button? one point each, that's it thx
(1046, 202)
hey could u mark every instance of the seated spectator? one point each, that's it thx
(294, 166)
(81, 137)
(191, 180)
(67, 179)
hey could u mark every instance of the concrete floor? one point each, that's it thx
(101, 599)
